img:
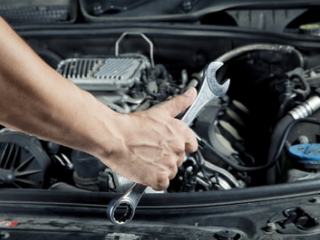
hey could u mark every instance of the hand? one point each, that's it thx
(152, 143)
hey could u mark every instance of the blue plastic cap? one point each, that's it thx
(307, 152)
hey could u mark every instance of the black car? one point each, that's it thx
(256, 174)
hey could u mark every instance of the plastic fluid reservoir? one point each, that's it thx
(307, 156)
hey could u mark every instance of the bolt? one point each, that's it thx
(187, 6)
(271, 227)
(97, 9)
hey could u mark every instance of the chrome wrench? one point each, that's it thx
(209, 90)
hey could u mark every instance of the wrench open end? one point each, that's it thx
(217, 89)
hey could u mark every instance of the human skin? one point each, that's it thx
(146, 147)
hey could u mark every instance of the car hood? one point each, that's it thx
(276, 16)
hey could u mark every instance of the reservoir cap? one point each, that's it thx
(307, 154)
(310, 29)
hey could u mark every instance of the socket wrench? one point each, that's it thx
(121, 210)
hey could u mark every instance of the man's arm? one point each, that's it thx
(146, 147)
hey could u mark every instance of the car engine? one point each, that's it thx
(264, 131)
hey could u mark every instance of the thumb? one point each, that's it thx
(178, 104)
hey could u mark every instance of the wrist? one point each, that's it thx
(105, 134)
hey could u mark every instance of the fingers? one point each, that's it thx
(179, 163)
(161, 184)
(175, 106)
(180, 103)
(163, 180)
(174, 161)
(191, 143)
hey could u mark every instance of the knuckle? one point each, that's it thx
(178, 125)
(181, 160)
(174, 173)
(180, 151)
(191, 146)
(183, 127)
(161, 179)
(161, 182)
(191, 143)
(171, 164)
(173, 167)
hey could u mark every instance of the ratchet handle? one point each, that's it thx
(121, 211)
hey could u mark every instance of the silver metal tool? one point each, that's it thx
(121, 211)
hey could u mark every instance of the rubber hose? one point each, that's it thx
(275, 140)
(258, 47)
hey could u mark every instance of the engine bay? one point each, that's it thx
(264, 131)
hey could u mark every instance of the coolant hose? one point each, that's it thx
(259, 47)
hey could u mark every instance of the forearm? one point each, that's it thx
(34, 98)
(146, 147)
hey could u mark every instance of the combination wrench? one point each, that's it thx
(121, 210)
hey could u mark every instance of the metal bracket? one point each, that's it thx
(139, 34)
